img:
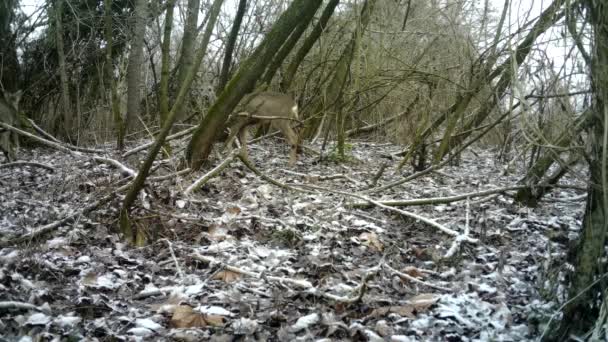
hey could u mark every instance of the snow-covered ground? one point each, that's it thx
(241, 259)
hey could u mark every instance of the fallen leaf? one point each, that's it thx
(423, 301)
(401, 310)
(371, 240)
(413, 271)
(185, 317)
(227, 276)
(90, 279)
(233, 210)
(418, 304)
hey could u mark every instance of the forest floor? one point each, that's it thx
(244, 260)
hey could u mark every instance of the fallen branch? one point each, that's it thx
(51, 144)
(372, 127)
(214, 172)
(320, 178)
(8, 305)
(415, 280)
(428, 221)
(37, 232)
(147, 145)
(123, 168)
(437, 200)
(301, 283)
(53, 139)
(23, 163)
(243, 157)
(460, 238)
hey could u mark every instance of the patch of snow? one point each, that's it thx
(305, 322)
(148, 324)
(38, 318)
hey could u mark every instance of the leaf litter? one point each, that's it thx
(241, 259)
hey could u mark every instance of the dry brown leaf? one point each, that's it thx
(233, 210)
(423, 301)
(90, 279)
(401, 310)
(413, 271)
(418, 304)
(371, 240)
(185, 317)
(227, 276)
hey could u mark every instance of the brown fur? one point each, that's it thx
(267, 104)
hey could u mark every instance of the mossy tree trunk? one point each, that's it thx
(582, 307)
(245, 79)
(186, 58)
(309, 42)
(230, 44)
(278, 58)
(530, 197)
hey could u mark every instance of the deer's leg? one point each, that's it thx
(292, 138)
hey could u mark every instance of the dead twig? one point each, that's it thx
(428, 221)
(415, 280)
(23, 163)
(214, 172)
(438, 200)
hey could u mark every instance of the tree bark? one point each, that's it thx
(164, 69)
(63, 74)
(244, 81)
(136, 60)
(186, 58)
(287, 47)
(536, 172)
(308, 44)
(109, 76)
(8, 51)
(230, 44)
(582, 309)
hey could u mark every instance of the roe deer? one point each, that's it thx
(9, 106)
(280, 109)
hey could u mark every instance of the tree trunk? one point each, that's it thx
(536, 172)
(308, 44)
(582, 309)
(165, 61)
(186, 58)
(136, 60)
(9, 77)
(230, 44)
(287, 46)
(131, 235)
(63, 74)
(109, 77)
(336, 85)
(244, 81)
